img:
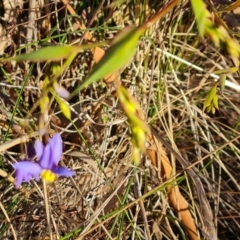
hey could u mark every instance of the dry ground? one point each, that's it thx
(109, 198)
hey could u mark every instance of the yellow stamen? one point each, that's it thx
(48, 175)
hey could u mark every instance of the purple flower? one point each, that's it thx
(61, 91)
(47, 166)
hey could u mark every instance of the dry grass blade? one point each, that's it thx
(187, 184)
(7, 217)
(158, 156)
(209, 228)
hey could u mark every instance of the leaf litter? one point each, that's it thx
(109, 197)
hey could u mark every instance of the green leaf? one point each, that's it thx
(201, 14)
(56, 68)
(53, 53)
(213, 33)
(222, 81)
(226, 70)
(47, 53)
(210, 97)
(215, 102)
(232, 47)
(129, 106)
(211, 102)
(117, 55)
(44, 101)
(138, 127)
(64, 106)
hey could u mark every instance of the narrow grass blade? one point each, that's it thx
(117, 55)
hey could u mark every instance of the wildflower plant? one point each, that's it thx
(139, 128)
(46, 168)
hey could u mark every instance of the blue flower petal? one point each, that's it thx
(19, 178)
(61, 91)
(45, 161)
(26, 170)
(63, 172)
(56, 149)
(39, 148)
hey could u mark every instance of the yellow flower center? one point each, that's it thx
(48, 175)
